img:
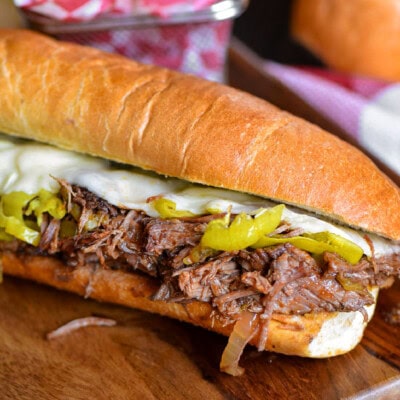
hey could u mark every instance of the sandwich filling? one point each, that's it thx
(246, 257)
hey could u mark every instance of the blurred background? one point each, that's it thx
(335, 63)
(262, 25)
(265, 28)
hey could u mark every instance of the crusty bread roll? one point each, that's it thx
(84, 100)
(357, 36)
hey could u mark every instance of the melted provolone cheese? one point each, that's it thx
(28, 167)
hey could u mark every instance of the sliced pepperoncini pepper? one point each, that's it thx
(46, 201)
(16, 206)
(167, 209)
(14, 203)
(340, 245)
(12, 220)
(318, 243)
(244, 230)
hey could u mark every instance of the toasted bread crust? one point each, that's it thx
(311, 335)
(177, 125)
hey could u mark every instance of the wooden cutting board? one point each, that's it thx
(150, 357)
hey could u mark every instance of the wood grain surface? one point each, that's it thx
(150, 357)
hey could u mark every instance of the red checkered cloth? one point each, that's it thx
(367, 109)
(75, 10)
(83, 10)
(198, 49)
(195, 48)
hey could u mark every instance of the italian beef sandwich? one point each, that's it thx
(141, 186)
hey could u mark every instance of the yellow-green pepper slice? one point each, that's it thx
(340, 245)
(11, 217)
(243, 231)
(46, 201)
(18, 229)
(167, 209)
(15, 206)
(267, 220)
(14, 203)
(318, 243)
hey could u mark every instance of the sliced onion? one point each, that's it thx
(79, 323)
(243, 332)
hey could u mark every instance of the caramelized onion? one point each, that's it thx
(80, 323)
(243, 332)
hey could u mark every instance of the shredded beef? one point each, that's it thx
(257, 281)
(279, 279)
(209, 280)
(364, 272)
(170, 234)
(255, 260)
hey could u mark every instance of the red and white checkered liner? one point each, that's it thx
(196, 48)
(66, 10)
(75, 10)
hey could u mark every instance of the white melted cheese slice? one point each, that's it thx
(28, 167)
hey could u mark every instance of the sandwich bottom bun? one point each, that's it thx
(316, 335)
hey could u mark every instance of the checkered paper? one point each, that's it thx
(195, 48)
(198, 49)
(82, 10)
(75, 10)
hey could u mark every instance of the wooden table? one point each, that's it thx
(149, 357)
